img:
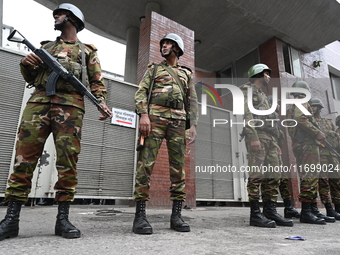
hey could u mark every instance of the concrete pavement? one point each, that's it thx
(106, 229)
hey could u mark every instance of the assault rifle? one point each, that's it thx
(57, 71)
(331, 148)
(327, 144)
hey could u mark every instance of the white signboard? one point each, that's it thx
(123, 118)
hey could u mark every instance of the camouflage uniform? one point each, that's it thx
(268, 155)
(329, 181)
(167, 116)
(306, 151)
(61, 115)
(284, 182)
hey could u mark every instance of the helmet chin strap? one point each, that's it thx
(61, 25)
(171, 51)
(265, 83)
(167, 55)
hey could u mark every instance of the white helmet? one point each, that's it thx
(75, 11)
(175, 38)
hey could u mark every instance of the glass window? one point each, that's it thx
(335, 80)
(291, 58)
(286, 57)
(295, 62)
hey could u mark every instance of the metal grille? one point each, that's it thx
(106, 162)
(12, 90)
(213, 148)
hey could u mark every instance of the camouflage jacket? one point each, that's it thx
(327, 126)
(269, 130)
(69, 55)
(165, 90)
(306, 128)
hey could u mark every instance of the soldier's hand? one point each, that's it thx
(321, 137)
(255, 145)
(144, 125)
(31, 60)
(104, 116)
(193, 134)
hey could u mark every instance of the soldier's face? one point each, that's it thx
(315, 109)
(266, 77)
(166, 47)
(59, 17)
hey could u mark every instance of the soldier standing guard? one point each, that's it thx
(306, 141)
(289, 210)
(60, 114)
(262, 148)
(165, 117)
(329, 179)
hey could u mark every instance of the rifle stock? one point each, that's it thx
(57, 71)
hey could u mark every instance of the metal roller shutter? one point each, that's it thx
(213, 148)
(12, 90)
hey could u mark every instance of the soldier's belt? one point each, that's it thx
(169, 103)
(63, 89)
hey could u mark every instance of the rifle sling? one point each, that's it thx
(152, 83)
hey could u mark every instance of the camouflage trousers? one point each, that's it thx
(284, 184)
(329, 180)
(38, 121)
(307, 156)
(284, 188)
(174, 133)
(267, 181)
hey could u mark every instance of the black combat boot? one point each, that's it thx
(290, 211)
(331, 212)
(141, 224)
(318, 214)
(337, 208)
(308, 217)
(63, 227)
(9, 226)
(257, 218)
(176, 221)
(269, 211)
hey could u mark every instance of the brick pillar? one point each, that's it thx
(271, 54)
(152, 30)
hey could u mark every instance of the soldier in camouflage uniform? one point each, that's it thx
(262, 147)
(165, 117)
(61, 114)
(329, 180)
(289, 210)
(306, 142)
(337, 123)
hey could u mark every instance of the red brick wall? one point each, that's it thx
(152, 30)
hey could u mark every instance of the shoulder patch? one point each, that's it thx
(91, 46)
(151, 64)
(245, 86)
